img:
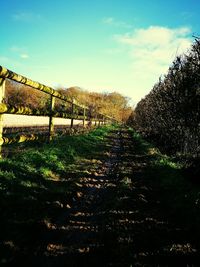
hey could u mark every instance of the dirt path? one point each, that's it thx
(80, 235)
(115, 219)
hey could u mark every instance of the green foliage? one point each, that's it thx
(141, 145)
(166, 161)
(169, 115)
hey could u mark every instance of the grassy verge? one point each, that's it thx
(178, 193)
(36, 185)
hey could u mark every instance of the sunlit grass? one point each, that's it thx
(166, 161)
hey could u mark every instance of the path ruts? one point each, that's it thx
(115, 219)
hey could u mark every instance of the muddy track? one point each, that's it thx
(115, 219)
(80, 235)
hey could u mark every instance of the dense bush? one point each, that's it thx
(170, 114)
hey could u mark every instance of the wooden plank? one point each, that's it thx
(2, 94)
(21, 138)
(51, 120)
(5, 73)
(72, 112)
(8, 109)
(8, 74)
(84, 117)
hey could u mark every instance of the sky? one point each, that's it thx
(98, 45)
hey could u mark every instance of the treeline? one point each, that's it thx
(111, 104)
(170, 114)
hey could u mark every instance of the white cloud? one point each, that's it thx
(151, 51)
(14, 48)
(17, 49)
(109, 20)
(156, 37)
(26, 16)
(20, 51)
(24, 56)
(113, 22)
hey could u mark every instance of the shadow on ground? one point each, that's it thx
(114, 216)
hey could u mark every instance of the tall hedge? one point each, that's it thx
(170, 114)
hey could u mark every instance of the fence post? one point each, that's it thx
(72, 113)
(83, 117)
(2, 94)
(51, 119)
(99, 123)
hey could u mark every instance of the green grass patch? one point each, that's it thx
(37, 184)
(172, 186)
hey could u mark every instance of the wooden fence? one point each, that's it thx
(51, 113)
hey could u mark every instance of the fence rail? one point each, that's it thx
(51, 112)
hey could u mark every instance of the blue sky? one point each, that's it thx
(99, 45)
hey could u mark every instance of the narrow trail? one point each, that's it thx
(80, 236)
(115, 218)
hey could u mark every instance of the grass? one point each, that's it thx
(175, 188)
(166, 204)
(37, 184)
(171, 185)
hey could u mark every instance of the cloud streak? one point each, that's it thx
(24, 56)
(26, 16)
(152, 50)
(116, 23)
(20, 51)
